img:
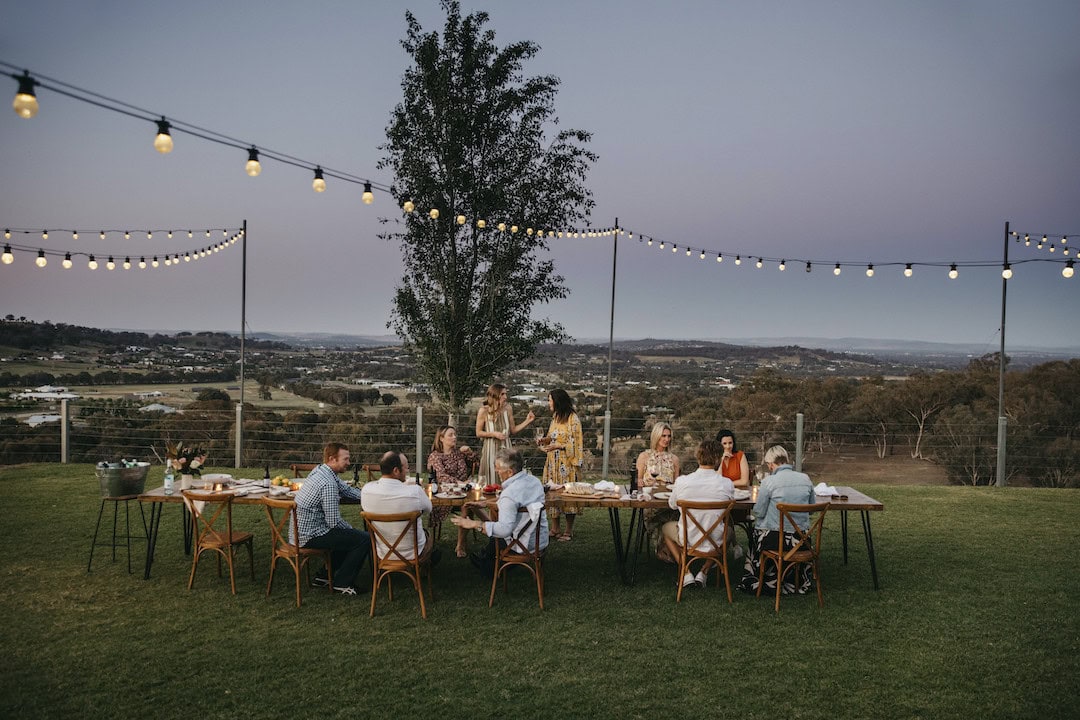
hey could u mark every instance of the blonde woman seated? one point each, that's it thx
(703, 485)
(658, 466)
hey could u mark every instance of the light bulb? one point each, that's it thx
(127, 235)
(1006, 272)
(367, 197)
(92, 263)
(41, 261)
(674, 248)
(807, 267)
(434, 214)
(142, 263)
(408, 206)
(540, 233)
(318, 184)
(869, 271)
(687, 252)
(163, 141)
(187, 256)
(481, 224)
(513, 228)
(460, 219)
(7, 258)
(836, 270)
(661, 244)
(253, 167)
(169, 235)
(25, 103)
(719, 257)
(738, 259)
(154, 262)
(189, 233)
(67, 261)
(783, 265)
(1051, 247)
(149, 235)
(650, 242)
(207, 233)
(110, 264)
(1067, 271)
(501, 227)
(44, 234)
(529, 231)
(7, 234)
(168, 261)
(702, 254)
(907, 270)
(127, 263)
(953, 272)
(759, 263)
(74, 234)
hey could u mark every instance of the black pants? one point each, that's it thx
(349, 548)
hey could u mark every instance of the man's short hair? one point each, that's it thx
(331, 450)
(390, 462)
(709, 453)
(511, 458)
(776, 455)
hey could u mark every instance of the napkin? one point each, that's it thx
(825, 490)
(605, 485)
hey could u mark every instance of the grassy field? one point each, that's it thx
(977, 617)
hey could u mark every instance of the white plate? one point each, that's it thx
(661, 495)
(450, 496)
(742, 495)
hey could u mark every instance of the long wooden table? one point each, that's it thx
(627, 544)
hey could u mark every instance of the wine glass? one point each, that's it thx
(654, 472)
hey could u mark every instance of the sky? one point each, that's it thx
(838, 131)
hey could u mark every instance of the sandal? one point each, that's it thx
(553, 534)
(461, 552)
(565, 537)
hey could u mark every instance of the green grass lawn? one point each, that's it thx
(977, 617)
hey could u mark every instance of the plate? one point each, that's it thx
(742, 494)
(292, 493)
(216, 477)
(450, 496)
(661, 495)
(278, 494)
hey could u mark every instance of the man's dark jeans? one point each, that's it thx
(349, 548)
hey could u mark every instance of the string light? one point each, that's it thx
(25, 103)
(154, 262)
(461, 221)
(513, 229)
(187, 256)
(1006, 272)
(907, 270)
(434, 214)
(41, 261)
(1027, 240)
(169, 235)
(1051, 247)
(92, 263)
(650, 242)
(67, 261)
(501, 227)
(719, 257)
(758, 264)
(74, 234)
(149, 235)
(407, 205)
(253, 167)
(101, 235)
(1067, 271)
(142, 263)
(674, 248)
(110, 264)
(807, 267)
(318, 184)
(836, 270)
(367, 197)
(1039, 246)
(953, 272)
(738, 259)
(869, 271)
(127, 263)
(163, 140)
(127, 235)
(207, 233)
(7, 234)
(688, 251)
(188, 234)
(783, 265)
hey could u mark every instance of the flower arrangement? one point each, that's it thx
(185, 459)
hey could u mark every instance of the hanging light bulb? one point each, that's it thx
(154, 262)
(1064, 239)
(207, 233)
(92, 263)
(189, 234)
(836, 270)
(127, 263)
(807, 267)
(1006, 272)
(688, 252)
(702, 254)
(719, 257)
(318, 184)
(67, 261)
(367, 197)
(501, 227)
(513, 229)
(25, 103)
(738, 259)
(869, 271)
(169, 234)
(74, 234)
(661, 244)
(142, 263)
(1051, 247)
(149, 235)
(783, 265)
(7, 258)
(650, 242)
(529, 231)
(1067, 271)
(408, 205)
(163, 141)
(460, 219)
(953, 272)
(907, 270)
(168, 261)
(101, 235)
(253, 167)
(7, 234)
(759, 263)
(110, 265)
(674, 248)
(434, 214)
(127, 235)
(41, 261)
(1027, 240)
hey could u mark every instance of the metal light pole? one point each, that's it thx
(243, 337)
(1002, 423)
(611, 344)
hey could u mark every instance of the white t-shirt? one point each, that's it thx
(387, 496)
(702, 486)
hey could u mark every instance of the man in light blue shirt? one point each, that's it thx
(520, 489)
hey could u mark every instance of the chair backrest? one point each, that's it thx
(206, 512)
(705, 522)
(808, 540)
(280, 525)
(517, 544)
(300, 468)
(382, 528)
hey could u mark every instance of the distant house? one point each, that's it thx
(157, 407)
(35, 420)
(149, 394)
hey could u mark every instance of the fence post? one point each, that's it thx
(239, 433)
(1002, 424)
(607, 442)
(419, 440)
(65, 431)
(798, 441)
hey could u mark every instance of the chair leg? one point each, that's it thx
(420, 592)
(270, 582)
(817, 584)
(540, 582)
(115, 512)
(229, 561)
(374, 593)
(494, 582)
(297, 574)
(127, 532)
(330, 573)
(251, 557)
(195, 552)
(683, 567)
(779, 582)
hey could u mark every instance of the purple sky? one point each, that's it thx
(834, 131)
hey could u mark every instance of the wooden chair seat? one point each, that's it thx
(207, 510)
(806, 548)
(514, 552)
(295, 556)
(396, 558)
(704, 549)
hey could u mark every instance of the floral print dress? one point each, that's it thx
(564, 466)
(451, 466)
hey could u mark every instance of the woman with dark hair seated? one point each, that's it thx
(733, 465)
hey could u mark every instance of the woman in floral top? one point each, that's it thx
(450, 465)
(659, 460)
(564, 455)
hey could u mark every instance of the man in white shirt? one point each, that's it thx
(703, 485)
(391, 494)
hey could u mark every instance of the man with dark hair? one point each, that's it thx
(318, 516)
(391, 494)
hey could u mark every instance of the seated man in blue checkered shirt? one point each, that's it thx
(318, 514)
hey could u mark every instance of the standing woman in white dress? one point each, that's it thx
(494, 426)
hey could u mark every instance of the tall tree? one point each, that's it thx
(470, 140)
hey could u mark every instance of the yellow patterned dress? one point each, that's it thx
(564, 466)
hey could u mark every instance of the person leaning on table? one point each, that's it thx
(318, 516)
(390, 495)
(520, 489)
(783, 485)
(703, 485)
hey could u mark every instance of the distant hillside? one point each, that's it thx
(329, 340)
(26, 335)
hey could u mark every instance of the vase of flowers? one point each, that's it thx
(187, 459)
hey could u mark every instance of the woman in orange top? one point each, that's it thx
(733, 466)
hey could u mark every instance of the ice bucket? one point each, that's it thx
(116, 480)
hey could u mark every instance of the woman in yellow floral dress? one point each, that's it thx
(564, 455)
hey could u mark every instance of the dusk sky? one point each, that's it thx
(849, 131)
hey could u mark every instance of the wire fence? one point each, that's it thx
(837, 452)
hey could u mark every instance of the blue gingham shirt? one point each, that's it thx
(318, 504)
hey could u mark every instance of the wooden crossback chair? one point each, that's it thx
(297, 557)
(397, 559)
(514, 551)
(806, 548)
(704, 549)
(207, 510)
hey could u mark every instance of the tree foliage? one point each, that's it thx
(470, 138)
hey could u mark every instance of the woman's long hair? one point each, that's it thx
(721, 434)
(494, 396)
(438, 446)
(564, 406)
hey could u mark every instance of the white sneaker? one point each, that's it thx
(688, 579)
(345, 590)
(701, 578)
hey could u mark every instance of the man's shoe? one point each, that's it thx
(345, 590)
(701, 579)
(688, 579)
(319, 581)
